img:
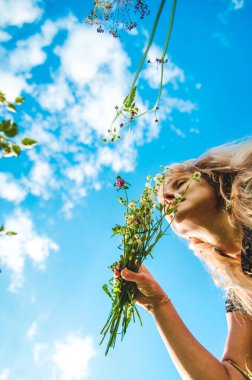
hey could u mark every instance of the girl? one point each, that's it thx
(215, 217)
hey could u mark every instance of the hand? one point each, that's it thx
(149, 294)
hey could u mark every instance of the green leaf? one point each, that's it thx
(105, 288)
(1, 228)
(28, 143)
(11, 233)
(11, 130)
(130, 98)
(11, 107)
(7, 151)
(19, 100)
(16, 149)
(5, 124)
(2, 98)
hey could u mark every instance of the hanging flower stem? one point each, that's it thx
(129, 102)
(164, 52)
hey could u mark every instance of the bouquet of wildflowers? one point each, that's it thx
(143, 228)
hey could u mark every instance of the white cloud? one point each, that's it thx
(54, 96)
(183, 106)
(19, 12)
(39, 350)
(80, 97)
(32, 331)
(27, 245)
(178, 131)
(237, 4)
(11, 190)
(4, 374)
(222, 38)
(12, 85)
(29, 52)
(4, 36)
(81, 60)
(41, 180)
(71, 357)
(194, 130)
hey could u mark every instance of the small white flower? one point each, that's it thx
(147, 185)
(157, 178)
(132, 205)
(178, 196)
(196, 176)
(148, 178)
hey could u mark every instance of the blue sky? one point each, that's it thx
(59, 196)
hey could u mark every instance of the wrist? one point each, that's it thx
(154, 306)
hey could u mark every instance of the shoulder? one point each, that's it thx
(239, 340)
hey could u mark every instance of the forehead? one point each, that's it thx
(174, 176)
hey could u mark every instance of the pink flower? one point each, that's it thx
(120, 183)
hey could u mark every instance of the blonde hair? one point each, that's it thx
(228, 168)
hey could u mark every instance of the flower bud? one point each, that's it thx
(196, 176)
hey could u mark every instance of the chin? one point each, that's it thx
(181, 214)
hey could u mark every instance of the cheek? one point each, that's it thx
(203, 198)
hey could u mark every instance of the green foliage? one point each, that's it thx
(9, 130)
(28, 143)
(7, 233)
(8, 147)
(144, 227)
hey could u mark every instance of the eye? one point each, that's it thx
(180, 183)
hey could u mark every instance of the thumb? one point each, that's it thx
(129, 275)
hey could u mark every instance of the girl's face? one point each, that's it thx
(199, 207)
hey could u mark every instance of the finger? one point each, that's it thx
(128, 275)
(143, 269)
(117, 273)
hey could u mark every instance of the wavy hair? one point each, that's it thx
(228, 168)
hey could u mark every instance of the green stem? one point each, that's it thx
(170, 29)
(165, 50)
(148, 45)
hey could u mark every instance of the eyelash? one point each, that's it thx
(181, 183)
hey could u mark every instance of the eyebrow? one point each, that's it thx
(175, 180)
(172, 182)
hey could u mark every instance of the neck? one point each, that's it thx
(219, 232)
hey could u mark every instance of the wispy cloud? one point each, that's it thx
(178, 131)
(71, 357)
(79, 99)
(27, 245)
(32, 331)
(4, 36)
(19, 12)
(39, 350)
(10, 190)
(5, 374)
(67, 358)
(222, 38)
(237, 4)
(30, 52)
